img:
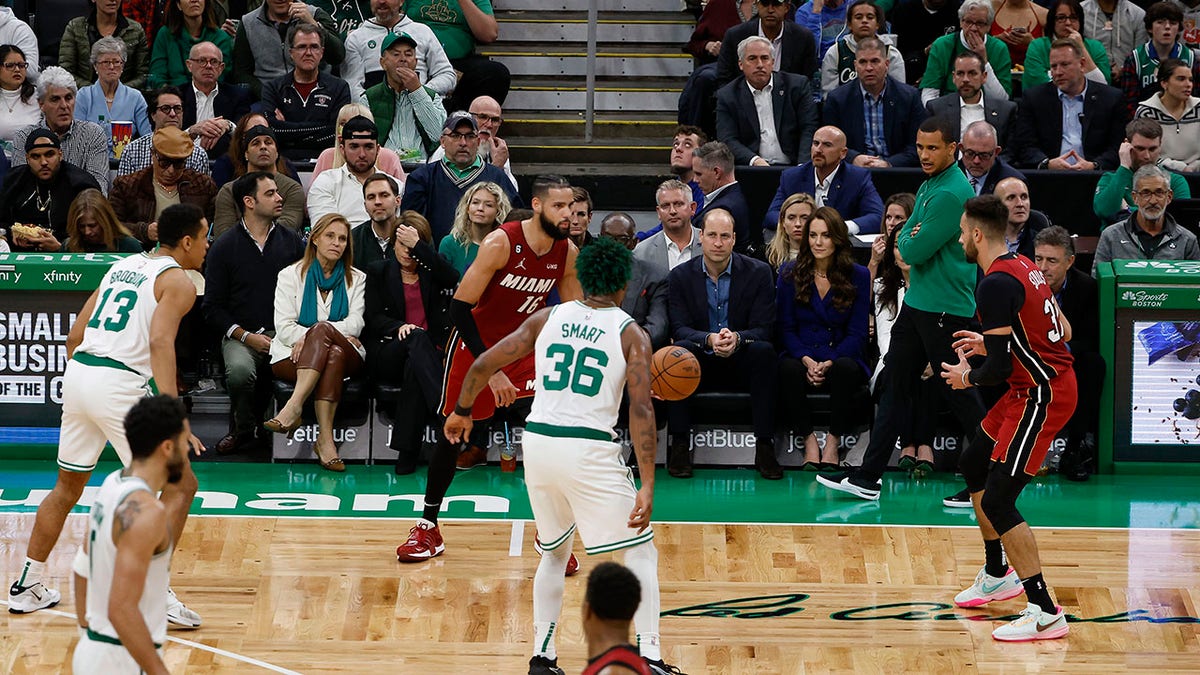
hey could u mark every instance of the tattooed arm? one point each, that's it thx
(140, 530)
(642, 430)
(514, 346)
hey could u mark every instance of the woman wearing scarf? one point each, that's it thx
(319, 304)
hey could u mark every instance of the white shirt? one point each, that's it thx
(776, 46)
(289, 292)
(676, 255)
(821, 187)
(968, 113)
(768, 139)
(339, 191)
(204, 103)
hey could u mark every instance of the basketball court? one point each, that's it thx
(293, 570)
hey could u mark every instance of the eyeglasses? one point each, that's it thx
(170, 109)
(207, 63)
(484, 117)
(307, 48)
(16, 65)
(977, 24)
(110, 63)
(455, 136)
(1066, 17)
(971, 154)
(171, 162)
(1147, 194)
(623, 238)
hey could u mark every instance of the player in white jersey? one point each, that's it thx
(586, 352)
(122, 570)
(121, 348)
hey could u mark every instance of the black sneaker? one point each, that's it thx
(958, 500)
(540, 665)
(661, 667)
(848, 483)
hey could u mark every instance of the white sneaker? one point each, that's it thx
(1033, 624)
(31, 598)
(988, 588)
(179, 614)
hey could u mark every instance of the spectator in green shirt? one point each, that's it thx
(459, 25)
(483, 208)
(1142, 146)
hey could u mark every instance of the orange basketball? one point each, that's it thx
(674, 373)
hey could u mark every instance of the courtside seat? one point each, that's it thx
(733, 408)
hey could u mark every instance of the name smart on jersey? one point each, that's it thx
(581, 332)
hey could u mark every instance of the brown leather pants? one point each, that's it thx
(328, 352)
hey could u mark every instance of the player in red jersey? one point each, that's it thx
(612, 598)
(1025, 341)
(517, 266)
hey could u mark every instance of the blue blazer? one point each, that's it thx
(734, 201)
(751, 303)
(852, 193)
(903, 113)
(820, 331)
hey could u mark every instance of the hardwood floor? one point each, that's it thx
(327, 596)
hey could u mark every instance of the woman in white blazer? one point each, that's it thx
(319, 303)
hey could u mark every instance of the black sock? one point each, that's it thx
(994, 552)
(1037, 593)
(441, 474)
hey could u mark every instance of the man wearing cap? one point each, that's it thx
(361, 69)
(408, 113)
(166, 110)
(83, 144)
(140, 197)
(492, 149)
(261, 154)
(303, 104)
(434, 189)
(40, 191)
(340, 190)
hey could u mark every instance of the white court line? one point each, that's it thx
(516, 539)
(194, 645)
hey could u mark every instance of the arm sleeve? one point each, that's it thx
(139, 59)
(70, 52)
(681, 318)
(829, 73)
(939, 224)
(287, 307)
(441, 77)
(727, 129)
(999, 298)
(658, 324)
(854, 343)
(431, 115)
(997, 366)
(468, 330)
(293, 206)
(321, 199)
(762, 309)
(1110, 192)
(216, 295)
(993, 86)
(353, 69)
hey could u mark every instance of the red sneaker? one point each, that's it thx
(572, 566)
(471, 457)
(424, 542)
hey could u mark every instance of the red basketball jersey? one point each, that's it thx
(1039, 352)
(518, 289)
(621, 655)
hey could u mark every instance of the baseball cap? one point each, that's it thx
(359, 127)
(43, 138)
(456, 119)
(392, 38)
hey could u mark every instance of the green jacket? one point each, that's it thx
(75, 50)
(1114, 192)
(939, 71)
(168, 59)
(1037, 61)
(941, 279)
(382, 102)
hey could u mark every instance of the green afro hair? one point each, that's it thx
(603, 267)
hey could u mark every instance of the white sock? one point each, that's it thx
(31, 572)
(642, 560)
(548, 587)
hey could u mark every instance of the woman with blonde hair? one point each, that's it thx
(483, 208)
(793, 216)
(319, 314)
(331, 158)
(92, 227)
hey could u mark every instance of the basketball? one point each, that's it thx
(674, 373)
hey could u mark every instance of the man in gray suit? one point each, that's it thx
(678, 241)
(969, 104)
(646, 294)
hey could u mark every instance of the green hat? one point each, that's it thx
(393, 38)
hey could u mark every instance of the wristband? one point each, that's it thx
(462, 411)
(965, 382)
(244, 334)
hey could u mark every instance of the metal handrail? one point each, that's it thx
(589, 113)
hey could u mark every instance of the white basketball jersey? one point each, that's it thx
(102, 556)
(580, 368)
(119, 327)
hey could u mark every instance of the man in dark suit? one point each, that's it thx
(722, 308)
(712, 165)
(646, 293)
(797, 51)
(211, 112)
(888, 136)
(832, 182)
(764, 117)
(1024, 221)
(969, 103)
(1083, 135)
(1079, 298)
(981, 161)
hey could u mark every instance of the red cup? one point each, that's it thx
(122, 133)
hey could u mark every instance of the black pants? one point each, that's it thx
(918, 339)
(919, 419)
(752, 368)
(417, 365)
(1089, 374)
(843, 380)
(696, 102)
(480, 77)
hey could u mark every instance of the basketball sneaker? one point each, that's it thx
(31, 598)
(424, 542)
(958, 500)
(471, 457)
(540, 665)
(572, 566)
(848, 483)
(179, 614)
(988, 588)
(1034, 624)
(661, 667)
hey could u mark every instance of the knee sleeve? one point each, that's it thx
(975, 460)
(999, 504)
